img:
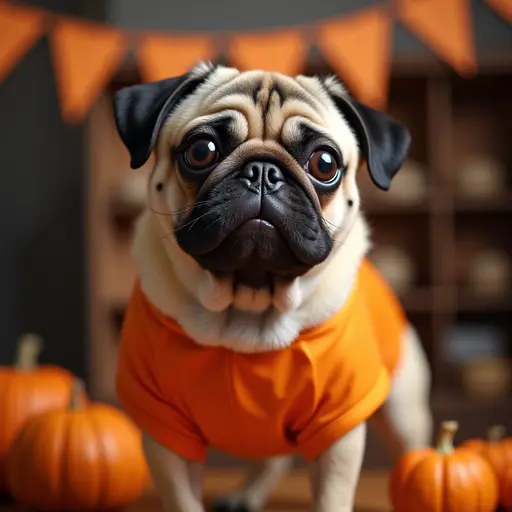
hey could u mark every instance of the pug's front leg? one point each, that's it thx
(335, 473)
(177, 481)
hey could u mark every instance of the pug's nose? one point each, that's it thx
(262, 177)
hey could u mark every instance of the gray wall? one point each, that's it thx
(42, 162)
(41, 204)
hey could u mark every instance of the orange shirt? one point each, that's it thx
(297, 400)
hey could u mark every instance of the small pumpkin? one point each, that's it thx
(85, 457)
(497, 450)
(443, 479)
(506, 490)
(27, 389)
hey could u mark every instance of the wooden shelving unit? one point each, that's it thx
(450, 119)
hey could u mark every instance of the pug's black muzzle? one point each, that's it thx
(257, 223)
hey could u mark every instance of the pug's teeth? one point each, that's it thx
(252, 300)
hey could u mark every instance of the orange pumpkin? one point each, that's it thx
(506, 490)
(27, 389)
(84, 457)
(444, 479)
(497, 450)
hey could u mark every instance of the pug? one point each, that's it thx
(257, 325)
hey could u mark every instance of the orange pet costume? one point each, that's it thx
(297, 400)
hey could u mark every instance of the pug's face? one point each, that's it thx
(255, 172)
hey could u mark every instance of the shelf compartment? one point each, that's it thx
(401, 236)
(482, 108)
(482, 259)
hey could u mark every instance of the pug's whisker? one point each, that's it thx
(170, 213)
(179, 211)
(329, 224)
(191, 223)
(220, 219)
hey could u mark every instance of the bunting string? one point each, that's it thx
(86, 55)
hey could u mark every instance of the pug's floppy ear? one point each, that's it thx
(141, 110)
(384, 141)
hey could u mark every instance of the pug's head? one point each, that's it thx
(254, 177)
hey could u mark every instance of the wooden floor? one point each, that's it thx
(291, 496)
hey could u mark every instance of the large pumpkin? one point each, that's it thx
(443, 479)
(27, 389)
(84, 457)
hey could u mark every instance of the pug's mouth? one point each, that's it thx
(254, 255)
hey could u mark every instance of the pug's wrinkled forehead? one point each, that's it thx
(272, 108)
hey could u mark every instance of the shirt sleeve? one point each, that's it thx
(162, 417)
(349, 391)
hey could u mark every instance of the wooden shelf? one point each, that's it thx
(455, 401)
(499, 205)
(469, 301)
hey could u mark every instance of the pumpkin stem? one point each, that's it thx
(496, 433)
(445, 438)
(27, 352)
(77, 392)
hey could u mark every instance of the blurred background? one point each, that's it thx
(443, 234)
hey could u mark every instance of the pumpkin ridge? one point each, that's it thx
(7, 425)
(24, 440)
(474, 478)
(64, 465)
(103, 487)
(407, 464)
(58, 429)
(479, 496)
(412, 471)
(445, 461)
(417, 468)
(438, 460)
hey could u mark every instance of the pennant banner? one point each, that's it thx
(446, 27)
(283, 50)
(20, 29)
(166, 56)
(357, 47)
(502, 7)
(85, 56)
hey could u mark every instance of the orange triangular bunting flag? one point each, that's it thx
(167, 56)
(20, 28)
(283, 51)
(85, 56)
(357, 47)
(502, 7)
(444, 26)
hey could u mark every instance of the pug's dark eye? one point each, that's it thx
(201, 154)
(323, 166)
